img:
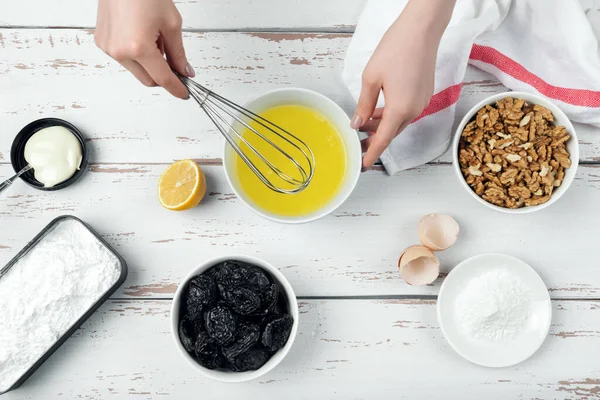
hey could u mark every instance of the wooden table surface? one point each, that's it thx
(364, 333)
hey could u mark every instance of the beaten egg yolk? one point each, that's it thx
(329, 154)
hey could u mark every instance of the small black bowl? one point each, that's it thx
(17, 152)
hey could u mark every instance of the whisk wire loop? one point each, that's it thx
(217, 117)
(228, 116)
(241, 138)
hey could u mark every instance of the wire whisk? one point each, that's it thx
(230, 119)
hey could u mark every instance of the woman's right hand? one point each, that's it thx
(138, 34)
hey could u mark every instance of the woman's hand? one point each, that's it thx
(138, 33)
(403, 68)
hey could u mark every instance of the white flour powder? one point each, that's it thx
(47, 291)
(494, 306)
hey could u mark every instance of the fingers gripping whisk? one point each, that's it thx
(288, 165)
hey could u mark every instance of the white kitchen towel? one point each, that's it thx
(549, 47)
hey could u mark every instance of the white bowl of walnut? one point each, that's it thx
(516, 152)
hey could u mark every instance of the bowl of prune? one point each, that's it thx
(234, 318)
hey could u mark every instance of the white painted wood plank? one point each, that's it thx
(61, 73)
(353, 252)
(345, 350)
(205, 14)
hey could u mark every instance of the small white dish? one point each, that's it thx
(334, 114)
(222, 375)
(500, 353)
(560, 119)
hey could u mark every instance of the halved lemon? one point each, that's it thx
(182, 186)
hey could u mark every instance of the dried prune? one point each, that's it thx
(277, 331)
(186, 334)
(269, 298)
(220, 324)
(247, 336)
(242, 300)
(280, 307)
(212, 271)
(239, 271)
(251, 360)
(233, 273)
(207, 352)
(202, 292)
(218, 272)
(197, 326)
(257, 277)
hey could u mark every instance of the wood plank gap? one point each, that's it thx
(202, 161)
(140, 299)
(349, 29)
(354, 298)
(45, 27)
(372, 297)
(206, 161)
(218, 162)
(580, 299)
(316, 30)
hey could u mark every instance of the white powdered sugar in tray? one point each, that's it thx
(47, 291)
(494, 306)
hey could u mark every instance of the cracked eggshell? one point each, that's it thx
(438, 231)
(418, 266)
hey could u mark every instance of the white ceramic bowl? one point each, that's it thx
(559, 119)
(340, 121)
(222, 375)
(502, 353)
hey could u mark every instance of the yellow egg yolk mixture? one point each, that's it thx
(330, 162)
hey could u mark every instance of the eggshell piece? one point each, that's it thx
(438, 231)
(418, 266)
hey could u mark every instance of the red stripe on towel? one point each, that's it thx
(441, 100)
(576, 97)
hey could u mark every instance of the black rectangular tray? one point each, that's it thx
(87, 314)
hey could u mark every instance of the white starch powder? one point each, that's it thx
(47, 291)
(494, 306)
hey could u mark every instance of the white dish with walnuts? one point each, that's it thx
(516, 152)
